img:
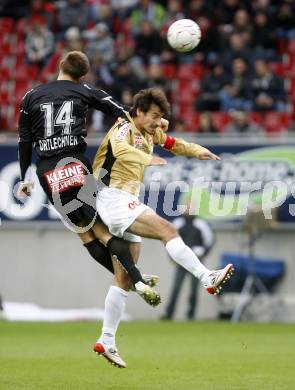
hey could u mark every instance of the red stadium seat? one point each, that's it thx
(26, 72)
(6, 25)
(21, 87)
(52, 63)
(290, 71)
(256, 117)
(291, 46)
(4, 97)
(20, 61)
(282, 45)
(189, 71)
(291, 60)
(278, 68)
(186, 91)
(292, 87)
(7, 116)
(169, 70)
(7, 48)
(191, 119)
(21, 26)
(4, 74)
(220, 120)
(20, 48)
(3, 116)
(276, 121)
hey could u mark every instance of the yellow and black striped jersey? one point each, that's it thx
(125, 152)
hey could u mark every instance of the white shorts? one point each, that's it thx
(119, 209)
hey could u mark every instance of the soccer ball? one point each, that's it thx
(184, 35)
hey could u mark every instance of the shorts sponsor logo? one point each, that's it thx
(123, 131)
(63, 178)
(134, 204)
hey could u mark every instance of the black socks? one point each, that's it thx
(120, 250)
(100, 254)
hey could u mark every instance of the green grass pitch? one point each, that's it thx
(160, 355)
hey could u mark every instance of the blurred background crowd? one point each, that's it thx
(240, 79)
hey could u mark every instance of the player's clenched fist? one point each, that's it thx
(25, 188)
(164, 124)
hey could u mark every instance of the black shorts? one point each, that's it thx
(68, 182)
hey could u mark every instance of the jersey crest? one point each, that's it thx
(123, 131)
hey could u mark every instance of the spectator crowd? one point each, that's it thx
(238, 76)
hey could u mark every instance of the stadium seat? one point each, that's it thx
(21, 26)
(189, 71)
(188, 114)
(220, 120)
(26, 72)
(276, 121)
(291, 46)
(52, 63)
(19, 61)
(5, 97)
(20, 48)
(21, 87)
(10, 116)
(278, 68)
(6, 25)
(256, 117)
(186, 92)
(169, 70)
(191, 119)
(282, 45)
(7, 48)
(7, 116)
(4, 74)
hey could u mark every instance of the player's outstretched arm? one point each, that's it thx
(24, 147)
(205, 154)
(180, 147)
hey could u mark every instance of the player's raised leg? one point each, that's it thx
(149, 224)
(142, 284)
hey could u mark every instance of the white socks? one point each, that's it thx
(114, 308)
(185, 257)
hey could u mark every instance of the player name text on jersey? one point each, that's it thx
(57, 142)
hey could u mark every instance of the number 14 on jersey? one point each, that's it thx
(63, 118)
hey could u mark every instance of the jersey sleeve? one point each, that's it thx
(24, 123)
(25, 138)
(122, 150)
(104, 102)
(177, 146)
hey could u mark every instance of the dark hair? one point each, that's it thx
(75, 64)
(146, 97)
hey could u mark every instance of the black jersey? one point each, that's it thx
(53, 115)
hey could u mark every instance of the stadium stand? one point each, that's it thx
(112, 34)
